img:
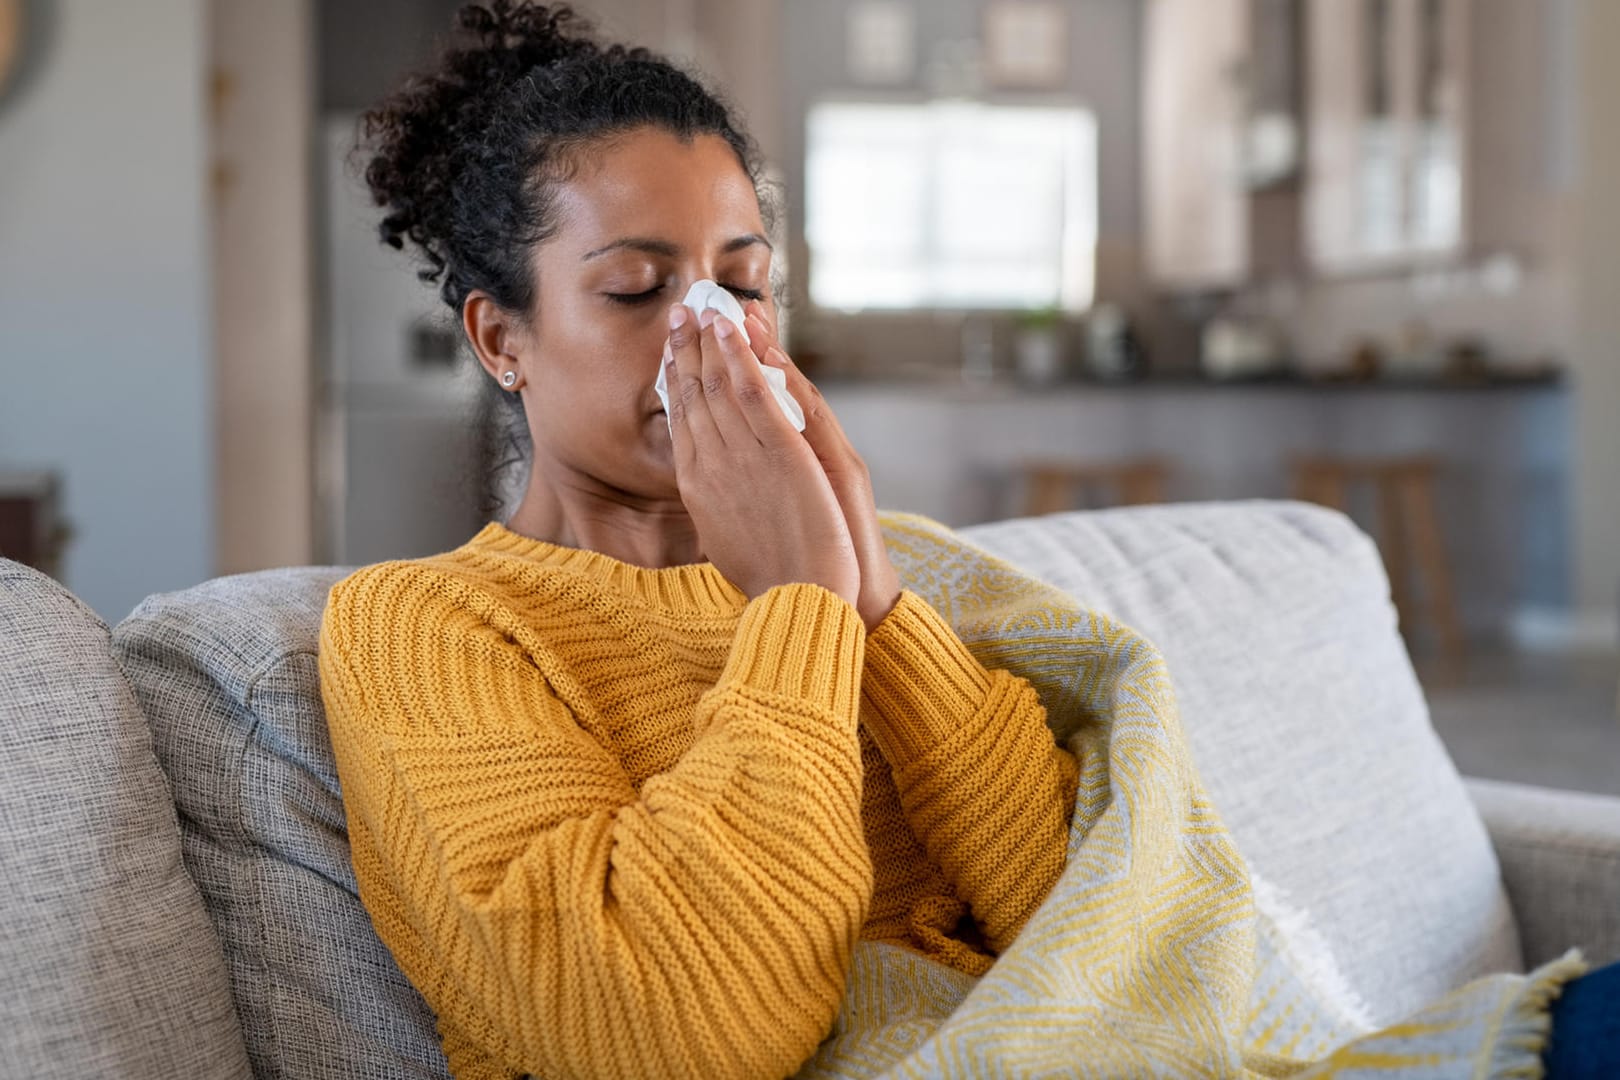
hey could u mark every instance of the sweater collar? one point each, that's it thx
(697, 587)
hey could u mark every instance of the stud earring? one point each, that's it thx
(508, 379)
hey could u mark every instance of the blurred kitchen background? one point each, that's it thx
(1040, 254)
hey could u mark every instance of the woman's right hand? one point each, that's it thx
(765, 512)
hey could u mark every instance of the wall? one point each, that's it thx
(104, 296)
(1596, 368)
(365, 47)
(363, 53)
(739, 45)
(263, 78)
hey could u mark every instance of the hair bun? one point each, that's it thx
(538, 33)
(413, 135)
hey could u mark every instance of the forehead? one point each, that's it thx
(650, 182)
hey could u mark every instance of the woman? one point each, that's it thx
(629, 776)
(621, 773)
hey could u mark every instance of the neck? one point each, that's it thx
(582, 512)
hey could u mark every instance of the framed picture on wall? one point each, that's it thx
(1026, 44)
(881, 42)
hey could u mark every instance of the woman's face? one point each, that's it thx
(644, 216)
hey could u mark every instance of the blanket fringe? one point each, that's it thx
(1528, 1025)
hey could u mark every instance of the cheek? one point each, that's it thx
(597, 360)
(607, 363)
(630, 360)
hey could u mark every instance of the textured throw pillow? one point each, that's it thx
(1306, 722)
(108, 963)
(227, 676)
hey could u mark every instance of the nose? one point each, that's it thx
(695, 275)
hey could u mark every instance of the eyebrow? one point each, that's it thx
(664, 247)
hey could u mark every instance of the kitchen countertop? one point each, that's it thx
(1005, 385)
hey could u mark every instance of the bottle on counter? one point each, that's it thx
(1113, 351)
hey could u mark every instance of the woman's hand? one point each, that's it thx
(850, 479)
(764, 509)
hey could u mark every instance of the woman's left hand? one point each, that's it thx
(850, 479)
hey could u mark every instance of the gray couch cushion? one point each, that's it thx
(226, 673)
(1306, 722)
(108, 963)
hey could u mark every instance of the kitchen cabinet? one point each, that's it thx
(1194, 105)
(1320, 135)
(1222, 136)
(1387, 117)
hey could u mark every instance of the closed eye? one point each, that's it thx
(644, 297)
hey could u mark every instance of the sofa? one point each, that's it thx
(176, 897)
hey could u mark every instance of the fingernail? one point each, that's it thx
(724, 328)
(706, 316)
(776, 356)
(677, 316)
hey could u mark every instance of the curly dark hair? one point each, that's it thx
(465, 159)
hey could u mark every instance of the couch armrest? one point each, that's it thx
(1560, 858)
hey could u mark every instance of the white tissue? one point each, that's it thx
(706, 294)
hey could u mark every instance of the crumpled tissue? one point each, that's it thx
(707, 294)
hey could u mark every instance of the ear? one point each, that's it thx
(496, 337)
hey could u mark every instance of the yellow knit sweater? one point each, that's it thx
(622, 822)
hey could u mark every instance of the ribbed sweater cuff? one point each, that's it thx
(803, 642)
(921, 681)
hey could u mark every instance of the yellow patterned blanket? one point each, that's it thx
(1151, 956)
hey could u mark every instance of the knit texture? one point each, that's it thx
(616, 822)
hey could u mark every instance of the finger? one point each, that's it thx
(759, 308)
(680, 431)
(821, 427)
(688, 408)
(845, 468)
(761, 330)
(851, 478)
(718, 389)
(760, 338)
(752, 395)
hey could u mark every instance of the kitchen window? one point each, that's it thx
(951, 205)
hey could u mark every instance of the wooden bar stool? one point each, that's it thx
(1408, 533)
(1053, 486)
